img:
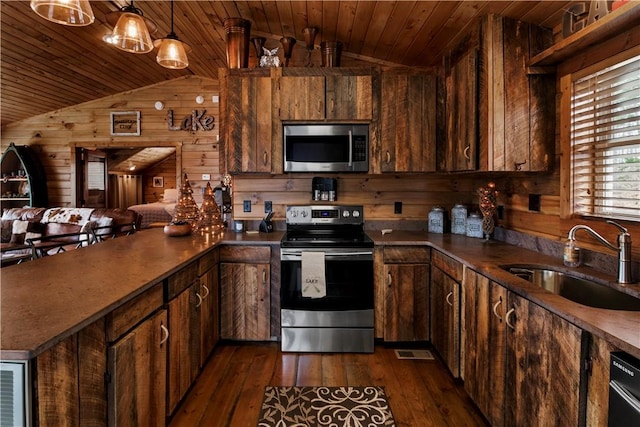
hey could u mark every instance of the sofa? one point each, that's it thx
(26, 229)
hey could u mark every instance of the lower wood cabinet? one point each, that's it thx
(446, 275)
(406, 293)
(522, 362)
(208, 273)
(137, 369)
(245, 294)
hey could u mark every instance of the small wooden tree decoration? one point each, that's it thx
(210, 220)
(186, 210)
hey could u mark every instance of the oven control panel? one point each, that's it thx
(325, 215)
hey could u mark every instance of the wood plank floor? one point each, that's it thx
(230, 388)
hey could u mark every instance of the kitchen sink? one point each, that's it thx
(577, 289)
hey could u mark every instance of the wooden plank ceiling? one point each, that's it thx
(46, 66)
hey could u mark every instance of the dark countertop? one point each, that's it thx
(620, 328)
(45, 301)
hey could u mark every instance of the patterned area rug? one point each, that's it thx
(325, 406)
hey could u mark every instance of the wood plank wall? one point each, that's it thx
(55, 135)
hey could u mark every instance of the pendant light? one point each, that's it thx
(172, 53)
(75, 13)
(131, 30)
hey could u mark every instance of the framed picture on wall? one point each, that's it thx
(158, 181)
(125, 123)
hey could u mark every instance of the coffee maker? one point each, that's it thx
(325, 189)
(222, 196)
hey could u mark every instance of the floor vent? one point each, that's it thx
(414, 354)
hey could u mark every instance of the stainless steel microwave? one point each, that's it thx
(324, 147)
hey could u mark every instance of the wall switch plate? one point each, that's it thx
(268, 206)
(246, 206)
(397, 207)
(534, 202)
(206, 176)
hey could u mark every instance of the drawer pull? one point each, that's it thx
(389, 280)
(508, 318)
(447, 298)
(264, 158)
(165, 332)
(495, 308)
(388, 157)
(199, 303)
(206, 289)
(264, 277)
(466, 152)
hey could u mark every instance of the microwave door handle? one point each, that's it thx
(350, 148)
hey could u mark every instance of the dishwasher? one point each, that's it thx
(624, 391)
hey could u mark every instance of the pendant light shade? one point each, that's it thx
(75, 13)
(131, 31)
(172, 53)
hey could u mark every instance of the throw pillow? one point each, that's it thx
(22, 230)
(7, 227)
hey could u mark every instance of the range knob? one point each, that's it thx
(356, 214)
(345, 214)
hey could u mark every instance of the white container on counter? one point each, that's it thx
(437, 220)
(459, 219)
(474, 225)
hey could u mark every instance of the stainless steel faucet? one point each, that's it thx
(623, 249)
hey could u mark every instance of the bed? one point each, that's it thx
(159, 211)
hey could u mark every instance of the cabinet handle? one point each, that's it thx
(495, 308)
(389, 279)
(388, 157)
(447, 298)
(199, 303)
(264, 158)
(319, 105)
(165, 332)
(508, 318)
(206, 289)
(264, 277)
(466, 152)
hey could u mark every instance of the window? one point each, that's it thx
(605, 140)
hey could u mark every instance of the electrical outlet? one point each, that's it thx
(268, 206)
(246, 206)
(206, 176)
(397, 207)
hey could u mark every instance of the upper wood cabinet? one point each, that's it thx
(408, 121)
(324, 93)
(248, 128)
(513, 126)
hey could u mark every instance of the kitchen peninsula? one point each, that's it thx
(61, 312)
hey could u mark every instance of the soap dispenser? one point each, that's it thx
(572, 255)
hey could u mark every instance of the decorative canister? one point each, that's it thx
(459, 219)
(437, 220)
(474, 225)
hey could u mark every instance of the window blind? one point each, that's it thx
(605, 141)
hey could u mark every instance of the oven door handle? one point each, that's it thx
(332, 256)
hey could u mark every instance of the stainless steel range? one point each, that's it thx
(326, 294)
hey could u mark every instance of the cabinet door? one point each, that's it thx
(249, 124)
(184, 345)
(245, 301)
(137, 364)
(349, 97)
(408, 123)
(485, 345)
(302, 98)
(209, 323)
(406, 305)
(445, 318)
(462, 113)
(543, 366)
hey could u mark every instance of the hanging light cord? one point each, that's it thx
(173, 34)
(132, 8)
